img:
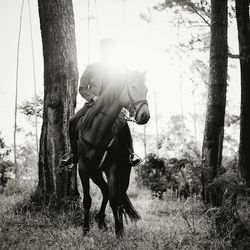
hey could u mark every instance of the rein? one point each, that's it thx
(127, 118)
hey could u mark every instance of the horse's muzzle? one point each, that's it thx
(143, 117)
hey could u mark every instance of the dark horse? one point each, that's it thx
(97, 140)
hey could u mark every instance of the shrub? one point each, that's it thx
(5, 165)
(14, 187)
(153, 174)
(159, 174)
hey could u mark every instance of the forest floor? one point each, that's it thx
(168, 224)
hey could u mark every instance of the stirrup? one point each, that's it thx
(135, 159)
(66, 161)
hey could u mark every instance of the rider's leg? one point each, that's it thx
(125, 135)
(73, 157)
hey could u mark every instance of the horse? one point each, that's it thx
(100, 150)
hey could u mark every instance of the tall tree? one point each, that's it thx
(60, 88)
(215, 113)
(243, 23)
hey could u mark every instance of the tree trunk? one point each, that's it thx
(243, 23)
(214, 124)
(60, 88)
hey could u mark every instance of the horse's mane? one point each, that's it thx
(109, 96)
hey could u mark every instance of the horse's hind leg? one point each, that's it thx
(84, 175)
(98, 179)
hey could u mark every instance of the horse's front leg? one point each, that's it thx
(98, 179)
(86, 195)
(115, 201)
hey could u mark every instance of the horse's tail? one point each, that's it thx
(130, 210)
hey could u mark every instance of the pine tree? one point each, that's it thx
(60, 88)
(243, 23)
(215, 113)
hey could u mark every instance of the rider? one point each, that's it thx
(94, 80)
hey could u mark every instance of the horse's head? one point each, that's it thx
(133, 96)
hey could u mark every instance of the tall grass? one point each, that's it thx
(166, 224)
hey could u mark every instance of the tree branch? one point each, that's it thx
(191, 5)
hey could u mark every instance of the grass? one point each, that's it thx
(168, 224)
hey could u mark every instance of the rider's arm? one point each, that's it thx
(84, 85)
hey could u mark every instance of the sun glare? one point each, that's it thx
(133, 55)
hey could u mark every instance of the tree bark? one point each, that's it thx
(215, 113)
(243, 24)
(60, 89)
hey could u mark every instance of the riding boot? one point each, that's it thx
(67, 161)
(71, 159)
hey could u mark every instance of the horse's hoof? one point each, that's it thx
(119, 234)
(101, 222)
(103, 226)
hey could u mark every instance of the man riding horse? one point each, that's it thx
(95, 79)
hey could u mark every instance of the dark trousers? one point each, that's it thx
(73, 131)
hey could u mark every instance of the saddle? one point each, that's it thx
(120, 133)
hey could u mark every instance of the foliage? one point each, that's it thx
(193, 14)
(231, 220)
(167, 224)
(14, 187)
(27, 159)
(4, 150)
(26, 165)
(40, 200)
(5, 165)
(199, 7)
(177, 140)
(171, 224)
(159, 175)
(28, 108)
(154, 174)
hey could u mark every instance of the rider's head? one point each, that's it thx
(107, 48)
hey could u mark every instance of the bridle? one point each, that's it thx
(135, 107)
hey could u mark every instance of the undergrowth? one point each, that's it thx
(166, 224)
(169, 223)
